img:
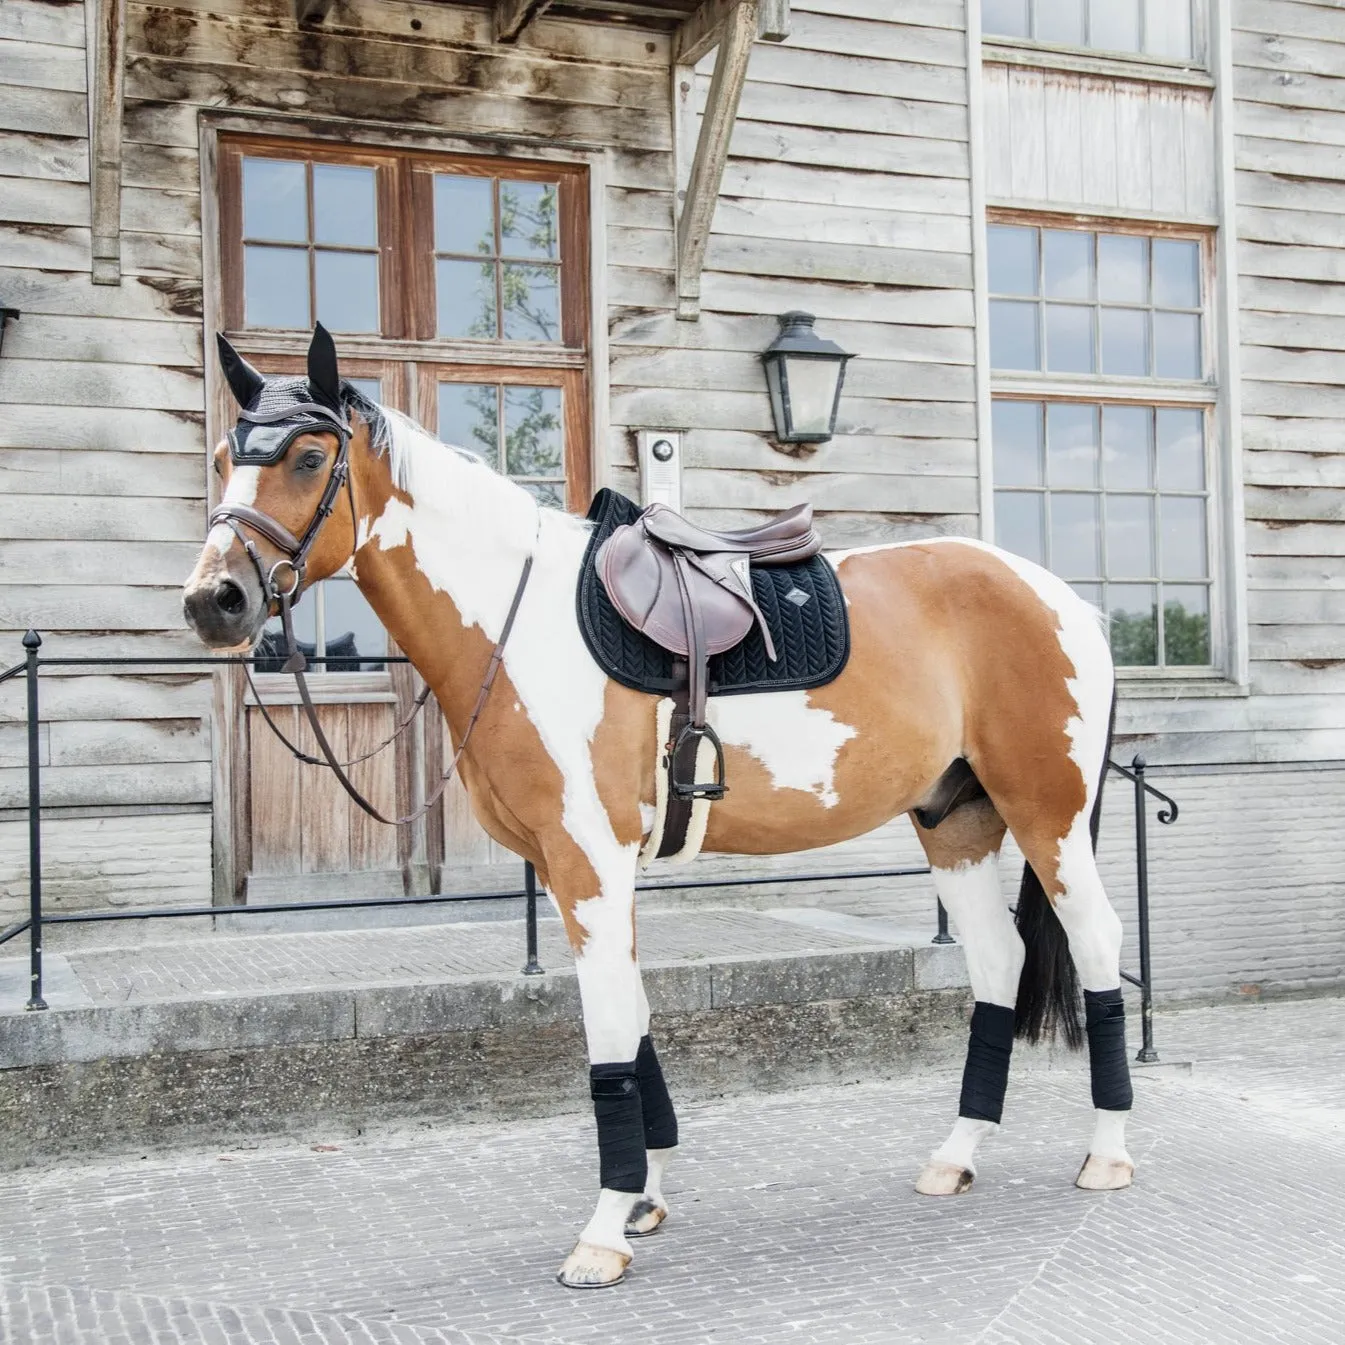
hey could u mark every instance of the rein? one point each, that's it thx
(239, 516)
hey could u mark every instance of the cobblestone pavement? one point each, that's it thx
(793, 1219)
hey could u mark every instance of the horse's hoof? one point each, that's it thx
(590, 1267)
(1105, 1174)
(943, 1179)
(645, 1218)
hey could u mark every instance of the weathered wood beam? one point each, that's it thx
(511, 17)
(106, 33)
(703, 29)
(712, 150)
(310, 13)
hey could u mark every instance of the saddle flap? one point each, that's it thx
(641, 580)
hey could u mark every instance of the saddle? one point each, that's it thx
(690, 591)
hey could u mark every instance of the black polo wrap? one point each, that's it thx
(985, 1077)
(660, 1121)
(1108, 1064)
(615, 1090)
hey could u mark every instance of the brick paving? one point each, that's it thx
(793, 1218)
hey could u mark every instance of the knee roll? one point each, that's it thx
(985, 1076)
(615, 1090)
(1108, 1064)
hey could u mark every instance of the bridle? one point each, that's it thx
(236, 517)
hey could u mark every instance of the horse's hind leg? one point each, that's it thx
(963, 853)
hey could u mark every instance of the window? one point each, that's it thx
(1101, 403)
(1161, 28)
(458, 290)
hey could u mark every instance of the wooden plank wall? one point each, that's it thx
(847, 194)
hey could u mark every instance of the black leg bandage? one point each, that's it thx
(986, 1074)
(660, 1121)
(1107, 1062)
(616, 1106)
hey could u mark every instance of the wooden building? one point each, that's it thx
(1085, 255)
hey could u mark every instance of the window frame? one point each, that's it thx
(1107, 60)
(1203, 394)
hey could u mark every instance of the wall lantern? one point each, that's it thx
(804, 374)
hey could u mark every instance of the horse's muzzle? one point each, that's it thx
(223, 611)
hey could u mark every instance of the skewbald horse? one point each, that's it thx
(958, 650)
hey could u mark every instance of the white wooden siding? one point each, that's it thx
(1089, 143)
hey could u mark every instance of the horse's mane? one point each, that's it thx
(400, 437)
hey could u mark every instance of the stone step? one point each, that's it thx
(277, 1033)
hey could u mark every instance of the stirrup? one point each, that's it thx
(712, 789)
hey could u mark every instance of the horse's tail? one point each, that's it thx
(1048, 990)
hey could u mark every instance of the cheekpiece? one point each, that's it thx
(283, 410)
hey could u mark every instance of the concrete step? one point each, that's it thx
(231, 1036)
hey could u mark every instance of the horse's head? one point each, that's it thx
(285, 519)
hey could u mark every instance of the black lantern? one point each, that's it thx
(804, 374)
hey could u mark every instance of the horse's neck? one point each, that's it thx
(440, 560)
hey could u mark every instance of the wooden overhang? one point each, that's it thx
(697, 28)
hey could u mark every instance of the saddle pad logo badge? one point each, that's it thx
(797, 596)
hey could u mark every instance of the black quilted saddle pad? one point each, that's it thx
(812, 639)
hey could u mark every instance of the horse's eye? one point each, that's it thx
(312, 461)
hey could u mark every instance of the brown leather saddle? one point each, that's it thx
(690, 591)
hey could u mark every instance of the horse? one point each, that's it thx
(961, 655)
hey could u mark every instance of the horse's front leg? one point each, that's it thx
(637, 1128)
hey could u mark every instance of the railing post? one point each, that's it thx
(32, 642)
(532, 967)
(1147, 1053)
(943, 936)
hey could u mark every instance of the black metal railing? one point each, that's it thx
(37, 919)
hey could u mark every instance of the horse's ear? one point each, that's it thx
(323, 379)
(244, 381)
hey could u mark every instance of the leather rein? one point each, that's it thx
(296, 549)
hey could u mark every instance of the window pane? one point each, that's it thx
(534, 434)
(1130, 537)
(1123, 268)
(275, 200)
(465, 292)
(1068, 257)
(1181, 449)
(1167, 28)
(372, 388)
(529, 219)
(1176, 273)
(1013, 260)
(1018, 524)
(1186, 625)
(531, 302)
(1071, 445)
(1069, 339)
(1060, 21)
(464, 219)
(352, 632)
(1185, 554)
(1075, 537)
(347, 290)
(275, 287)
(1114, 25)
(1013, 335)
(469, 418)
(343, 205)
(1090, 593)
(1177, 345)
(1005, 18)
(1133, 611)
(1016, 441)
(1125, 341)
(1126, 451)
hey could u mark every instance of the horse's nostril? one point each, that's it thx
(229, 597)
